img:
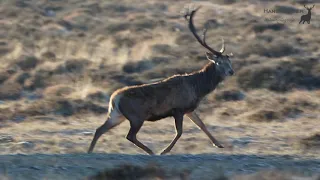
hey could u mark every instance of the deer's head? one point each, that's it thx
(222, 62)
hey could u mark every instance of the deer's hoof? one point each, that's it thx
(163, 152)
(219, 145)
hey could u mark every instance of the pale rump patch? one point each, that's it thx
(114, 104)
(115, 117)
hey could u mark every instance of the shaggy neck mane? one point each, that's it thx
(206, 79)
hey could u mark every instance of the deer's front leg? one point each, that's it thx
(195, 118)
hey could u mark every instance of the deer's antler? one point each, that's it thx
(203, 41)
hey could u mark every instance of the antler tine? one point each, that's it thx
(223, 48)
(193, 30)
(305, 6)
(312, 6)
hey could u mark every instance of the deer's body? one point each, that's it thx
(175, 96)
(162, 99)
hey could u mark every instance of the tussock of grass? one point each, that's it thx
(4, 76)
(311, 142)
(146, 172)
(259, 28)
(27, 63)
(97, 96)
(230, 95)
(72, 66)
(10, 91)
(128, 172)
(58, 91)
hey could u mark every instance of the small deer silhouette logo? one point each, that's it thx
(306, 17)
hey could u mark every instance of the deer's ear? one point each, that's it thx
(211, 56)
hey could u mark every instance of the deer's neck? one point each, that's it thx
(309, 12)
(207, 79)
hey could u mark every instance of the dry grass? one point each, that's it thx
(63, 65)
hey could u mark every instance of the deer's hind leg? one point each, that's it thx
(114, 119)
(135, 126)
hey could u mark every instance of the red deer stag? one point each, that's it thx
(175, 97)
